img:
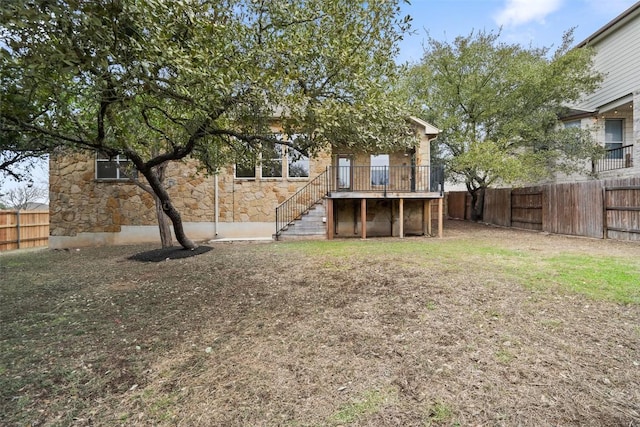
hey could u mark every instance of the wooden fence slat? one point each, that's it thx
(606, 208)
(33, 229)
(622, 209)
(497, 206)
(526, 208)
(589, 212)
(456, 204)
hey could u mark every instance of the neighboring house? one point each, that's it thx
(342, 193)
(613, 111)
(36, 206)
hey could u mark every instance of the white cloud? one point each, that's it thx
(518, 12)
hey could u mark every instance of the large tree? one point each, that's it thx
(499, 105)
(157, 81)
(19, 152)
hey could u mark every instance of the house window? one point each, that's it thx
(380, 169)
(613, 138)
(344, 172)
(574, 124)
(272, 161)
(297, 164)
(114, 168)
(246, 166)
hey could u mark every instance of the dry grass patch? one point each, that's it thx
(484, 327)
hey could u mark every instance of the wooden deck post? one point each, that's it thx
(363, 217)
(401, 217)
(426, 218)
(330, 222)
(440, 219)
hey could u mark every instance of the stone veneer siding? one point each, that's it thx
(255, 200)
(81, 204)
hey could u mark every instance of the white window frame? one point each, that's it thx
(380, 163)
(610, 143)
(280, 148)
(117, 161)
(573, 124)
(288, 157)
(295, 158)
(245, 178)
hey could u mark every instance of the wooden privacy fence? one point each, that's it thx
(458, 205)
(23, 229)
(601, 209)
(621, 211)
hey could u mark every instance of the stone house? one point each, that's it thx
(340, 193)
(613, 111)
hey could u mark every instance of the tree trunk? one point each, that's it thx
(176, 220)
(166, 239)
(163, 224)
(477, 204)
(168, 208)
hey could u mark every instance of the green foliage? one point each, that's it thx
(180, 78)
(159, 81)
(498, 107)
(370, 403)
(19, 151)
(604, 278)
(438, 412)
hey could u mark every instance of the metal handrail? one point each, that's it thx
(380, 179)
(384, 179)
(300, 202)
(614, 158)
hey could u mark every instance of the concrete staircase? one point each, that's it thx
(310, 225)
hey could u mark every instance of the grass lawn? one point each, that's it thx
(484, 327)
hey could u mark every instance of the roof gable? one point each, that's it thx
(429, 129)
(612, 25)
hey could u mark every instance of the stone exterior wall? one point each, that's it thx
(85, 210)
(256, 199)
(81, 204)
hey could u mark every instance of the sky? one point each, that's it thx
(535, 23)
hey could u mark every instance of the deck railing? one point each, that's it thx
(615, 158)
(368, 179)
(386, 179)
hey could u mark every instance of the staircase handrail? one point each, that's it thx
(301, 201)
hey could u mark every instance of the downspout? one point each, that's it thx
(216, 207)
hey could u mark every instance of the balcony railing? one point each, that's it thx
(386, 179)
(615, 158)
(368, 179)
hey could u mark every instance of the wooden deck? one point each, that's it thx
(426, 220)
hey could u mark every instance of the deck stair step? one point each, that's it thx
(311, 225)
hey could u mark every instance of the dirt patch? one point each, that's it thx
(477, 328)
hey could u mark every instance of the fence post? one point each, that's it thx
(18, 227)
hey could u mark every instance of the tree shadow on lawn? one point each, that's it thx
(165, 254)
